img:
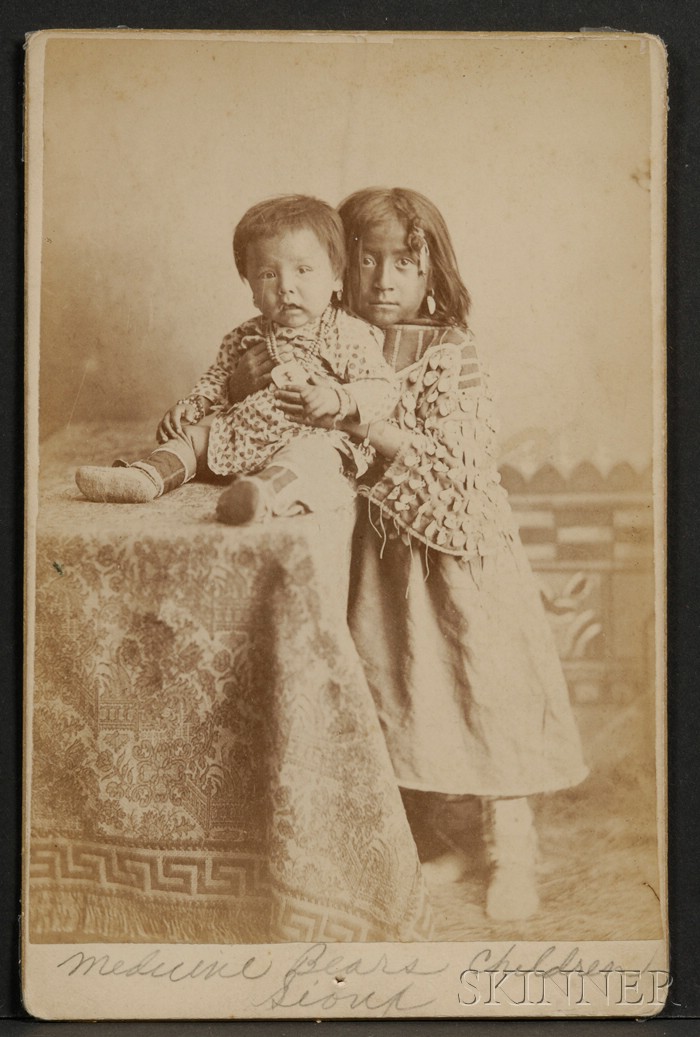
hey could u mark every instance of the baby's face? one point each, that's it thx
(291, 277)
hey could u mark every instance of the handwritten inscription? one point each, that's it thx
(154, 966)
(487, 960)
(320, 978)
(324, 979)
(302, 986)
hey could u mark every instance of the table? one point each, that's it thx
(206, 761)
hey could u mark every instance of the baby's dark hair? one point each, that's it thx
(291, 212)
(424, 225)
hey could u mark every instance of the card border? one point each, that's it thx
(676, 28)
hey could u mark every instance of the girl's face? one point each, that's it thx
(291, 277)
(392, 288)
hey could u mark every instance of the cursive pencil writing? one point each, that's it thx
(548, 962)
(154, 966)
(321, 977)
(305, 983)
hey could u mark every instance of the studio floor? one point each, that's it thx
(598, 870)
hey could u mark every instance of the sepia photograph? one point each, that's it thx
(345, 636)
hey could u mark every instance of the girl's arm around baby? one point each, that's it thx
(212, 388)
(242, 366)
(252, 372)
(369, 383)
(442, 486)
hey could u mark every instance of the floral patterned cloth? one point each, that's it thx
(336, 347)
(444, 610)
(207, 764)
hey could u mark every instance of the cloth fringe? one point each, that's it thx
(77, 916)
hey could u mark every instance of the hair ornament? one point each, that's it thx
(418, 244)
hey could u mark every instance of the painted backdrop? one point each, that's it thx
(536, 150)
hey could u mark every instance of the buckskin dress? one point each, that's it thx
(444, 608)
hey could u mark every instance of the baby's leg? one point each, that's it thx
(170, 465)
(305, 475)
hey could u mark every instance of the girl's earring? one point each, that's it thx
(339, 295)
(430, 303)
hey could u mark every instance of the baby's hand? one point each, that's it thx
(314, 403)
(171, 423)
(319, 401)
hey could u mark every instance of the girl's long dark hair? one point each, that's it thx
(364, 209)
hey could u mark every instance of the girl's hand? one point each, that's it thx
(253, 372)
(171, 423)
(313, 404)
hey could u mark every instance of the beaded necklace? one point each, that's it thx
(326, 321)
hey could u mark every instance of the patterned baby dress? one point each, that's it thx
(339, 348)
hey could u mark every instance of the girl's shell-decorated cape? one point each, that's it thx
(442, 488)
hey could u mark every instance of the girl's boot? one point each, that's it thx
(136, 483)
(451, 835)
(512, 848)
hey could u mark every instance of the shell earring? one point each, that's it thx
(430, 303)
(339, 295)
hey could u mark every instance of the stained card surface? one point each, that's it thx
(353, 710)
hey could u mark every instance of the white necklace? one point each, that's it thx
(315, 348)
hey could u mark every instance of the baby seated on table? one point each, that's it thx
(291, 251)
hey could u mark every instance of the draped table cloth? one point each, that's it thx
(206, 761)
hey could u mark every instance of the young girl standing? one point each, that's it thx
(444, 609)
